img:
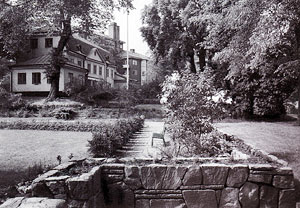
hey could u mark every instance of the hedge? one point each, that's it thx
(113, 136)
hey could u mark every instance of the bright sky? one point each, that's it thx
(135, 38)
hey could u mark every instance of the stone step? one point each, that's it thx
(129, 151)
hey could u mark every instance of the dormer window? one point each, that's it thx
(78, 48)
(48, 42)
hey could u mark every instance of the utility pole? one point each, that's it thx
(127, 62)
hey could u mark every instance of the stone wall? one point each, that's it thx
(113, 185)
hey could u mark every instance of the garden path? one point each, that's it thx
(140, 144)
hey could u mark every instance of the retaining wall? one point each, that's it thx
(113, 185)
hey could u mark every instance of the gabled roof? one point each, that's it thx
(131, 54)
(41, 60)
(86, 46)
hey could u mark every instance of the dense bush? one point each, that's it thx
(111, 137)
(191, 104)
(10, 101)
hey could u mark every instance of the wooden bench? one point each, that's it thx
(159, 136)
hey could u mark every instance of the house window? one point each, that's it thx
(72, 60)
(71, 77)
(36, 78)
(48, 42)
(95, 69)
(134, 62)
(107, 72)
(34, 43)
(112, 74)
(21, 78)
(79, 63)
(89, 67)
(100, 70)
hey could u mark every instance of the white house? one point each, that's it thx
(84, 59)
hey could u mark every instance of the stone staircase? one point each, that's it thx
(140, 144)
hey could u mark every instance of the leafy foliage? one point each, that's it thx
(111, 137)
(191, 104)
(251, 47)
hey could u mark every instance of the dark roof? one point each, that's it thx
(41, 60)
(86, 46)
(134, 55)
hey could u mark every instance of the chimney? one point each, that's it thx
(132, 50)
(114, 31)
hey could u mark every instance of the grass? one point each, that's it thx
(21, 149)
(281, 139)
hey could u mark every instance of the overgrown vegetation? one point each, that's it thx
(111, 137)
(191, 103)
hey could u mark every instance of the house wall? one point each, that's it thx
(44, 86)
(29, 87)
(137, 68)
(143, 72)
(41, 50)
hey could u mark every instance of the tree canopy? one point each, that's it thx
(21, 18)
(250, 46)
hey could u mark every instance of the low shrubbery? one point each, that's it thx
(52, 125)
(111, 137)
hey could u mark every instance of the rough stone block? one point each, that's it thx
(80, 187)
(173, 177)
(142, 203)
(230, 198)
(119, 196)
(45, 175)
(249, 195)
(287, 198)
(56, 187)
(237, 176)
(268, 196)
(214, 174)
(193, 176)
(264, 167)
(261, 178)
(41, 190)
(64, 166)
(132, 177)
(152, 176)
(201, 187)
(285, 182)
(34, 202)
(167, 203)
(200, 199)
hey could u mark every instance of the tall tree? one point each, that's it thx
(61, 17)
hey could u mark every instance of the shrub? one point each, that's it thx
(111, 137)
(64, 113)
(10, 101)
(191, 105)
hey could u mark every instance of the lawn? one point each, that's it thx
(20, 149)
(281, 139)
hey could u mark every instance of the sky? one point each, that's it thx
(135, 38)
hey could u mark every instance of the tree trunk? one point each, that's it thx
(202, 56)
(299, 98)
(57, 60)
(192, 63)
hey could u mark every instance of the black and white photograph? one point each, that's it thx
(149, 103)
